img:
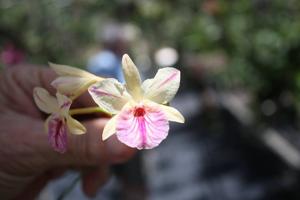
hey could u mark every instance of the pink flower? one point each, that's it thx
(140, 118)
(59, 120)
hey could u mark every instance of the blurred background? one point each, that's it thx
(240, 91)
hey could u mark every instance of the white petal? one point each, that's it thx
(64, 70)
(64, 103)
(172, 114)
(110, 128)
(132, 77)
(146, 84)
(163, 87)
(75, 127)
(72, 86)
(110, 95)
(44, 100)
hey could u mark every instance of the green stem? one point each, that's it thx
(89, 110)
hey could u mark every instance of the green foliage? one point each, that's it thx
(260, 38)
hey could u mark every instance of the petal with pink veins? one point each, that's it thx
(64, 103)
(142, 126)
(110, 95)
(163, 87)
(57, 133)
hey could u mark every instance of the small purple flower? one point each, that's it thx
(59, 120)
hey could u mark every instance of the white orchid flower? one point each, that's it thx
(140, 118)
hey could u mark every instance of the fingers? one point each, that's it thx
(87, 149)
(16, 88)
(83, 150)
(29, 77)
(24, 143)
(22, 80)
(92, 150)
(94, 178)
(34, 187)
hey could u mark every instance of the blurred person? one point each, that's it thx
(107, 62)
(27, 160)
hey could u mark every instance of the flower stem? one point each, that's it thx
(89, 110)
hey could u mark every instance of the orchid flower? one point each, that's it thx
(72, 82)
(59, 120)
(140, 116)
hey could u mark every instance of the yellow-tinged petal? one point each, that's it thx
(74, 126)
(72, 86)
(64, 70)
(163, 87)
(45, 101)
(64, 103)
(132, 77)
(110, 95)
(147, 84)
(110, 128)
(172, 114)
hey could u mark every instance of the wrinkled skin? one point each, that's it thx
(27, 160)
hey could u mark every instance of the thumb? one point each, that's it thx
(90, 149)
(94, 178)
(87, 149)
(83, 150)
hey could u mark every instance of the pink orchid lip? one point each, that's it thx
(57, 133)
(142, 126)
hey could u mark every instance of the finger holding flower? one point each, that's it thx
(140, 115)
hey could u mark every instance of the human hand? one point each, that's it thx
(27, 160)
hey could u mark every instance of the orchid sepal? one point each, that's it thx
(72, 82)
